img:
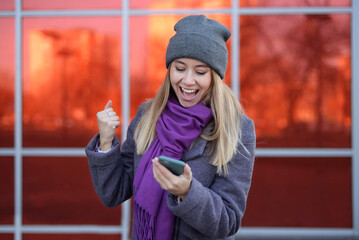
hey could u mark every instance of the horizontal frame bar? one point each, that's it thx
(294, 233)
(304, 152)
(260, 152)
(244, 232)
(76, 229)
(7, 14)
(145, 12)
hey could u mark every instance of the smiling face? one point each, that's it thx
(190, 80)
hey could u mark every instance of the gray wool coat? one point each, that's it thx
(215, 204)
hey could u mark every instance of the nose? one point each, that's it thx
(189, 79)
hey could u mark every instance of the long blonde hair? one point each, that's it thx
(223, 137)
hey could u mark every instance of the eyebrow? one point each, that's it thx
(199, 65)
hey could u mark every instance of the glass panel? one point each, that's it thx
(302, 192)
(70, 236)
(149, 39)
(293, 3)
(60, 191)
(7, 62)
(72, 66)
(71, 4)
(7, 5)
(295, 79)
(6, 190)
(6, 236)
(176, 4)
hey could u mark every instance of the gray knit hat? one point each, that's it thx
(200, 38)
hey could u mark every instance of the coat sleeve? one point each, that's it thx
(217, 211)
(112, 172)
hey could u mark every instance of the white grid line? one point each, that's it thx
(355, 116)
(126, 206)
(18, 122)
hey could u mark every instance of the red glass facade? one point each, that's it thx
(6, 190)
(58, 190)
(7, 70)
(300, 192)
(72, 67)
(296, 80)
(294, 3)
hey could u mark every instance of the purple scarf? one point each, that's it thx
(176, 128)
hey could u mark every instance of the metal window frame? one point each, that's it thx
(18, 152)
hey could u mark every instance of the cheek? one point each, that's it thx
(206, 84)
(174, 78)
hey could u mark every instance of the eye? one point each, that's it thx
(179, 69)
(201, 73)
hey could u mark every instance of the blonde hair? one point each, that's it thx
(225, 134)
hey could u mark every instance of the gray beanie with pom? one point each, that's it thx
(200, 38)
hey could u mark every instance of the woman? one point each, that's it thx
(195, 118)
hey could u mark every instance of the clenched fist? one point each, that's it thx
(107, 121)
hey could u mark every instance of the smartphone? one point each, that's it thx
(175, 166)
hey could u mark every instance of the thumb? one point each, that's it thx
(108, 104)
(187, 173)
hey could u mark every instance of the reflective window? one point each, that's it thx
(295, 79)
(7, 62)
(293, 3)
(302, 192)
(6, 191)
(7, 5)
(177, 4)
(59, 191)
(148, 43)
(71, 69)
(5, 236)
(71, 236)
(71, 4)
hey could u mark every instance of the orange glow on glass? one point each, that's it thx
(7, 5)
(71, 4)
(176, 4)
(7, 71)
(71, 69)
(295, 79)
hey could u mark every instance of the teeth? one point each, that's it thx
(188, 90)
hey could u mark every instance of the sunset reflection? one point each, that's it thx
(70, 73)
(295, 79)
(7, 5)
(71, 4)
(176, 4)
(7, 73)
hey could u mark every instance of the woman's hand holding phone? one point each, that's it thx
(177, 185)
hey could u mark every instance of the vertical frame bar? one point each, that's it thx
(235, 59)
(355, 114)
(126, 206)
(18, 123)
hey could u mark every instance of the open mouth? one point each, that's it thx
(188, 91)
(188, 96)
